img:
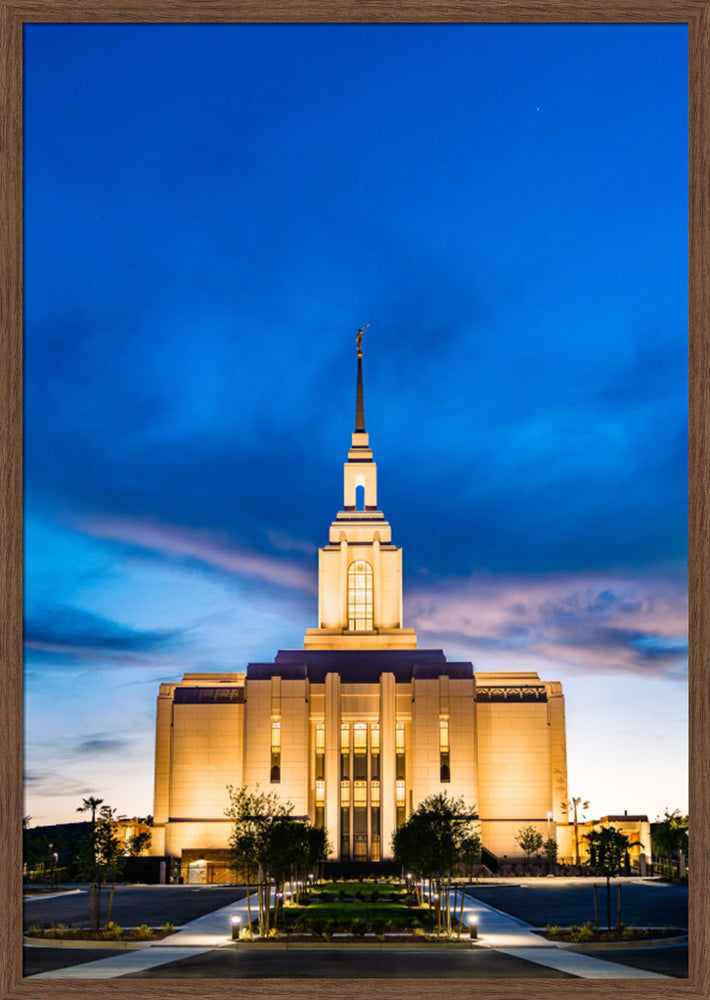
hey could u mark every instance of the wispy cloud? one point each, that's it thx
(586, 624)
(200, 546)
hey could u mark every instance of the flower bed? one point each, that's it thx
(111, 932)
(588, 933)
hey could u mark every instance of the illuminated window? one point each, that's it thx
(320, 750)
(375, 751)
(444, 755)
(360, 737)
(399, 750)
(400, 802)
(360, 793)
(345, 738)
(275, 751)
(375, 792)
(345, 793)
(360, 615)
(320, 793)
(399, 792)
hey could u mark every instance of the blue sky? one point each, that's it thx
(211, 212)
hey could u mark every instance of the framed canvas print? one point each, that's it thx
(348, 641)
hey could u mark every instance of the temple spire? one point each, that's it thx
(359, 401)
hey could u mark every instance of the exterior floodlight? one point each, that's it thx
(473, 925)
(236, 924)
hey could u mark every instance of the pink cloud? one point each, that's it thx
(587, 623)
(184, 543)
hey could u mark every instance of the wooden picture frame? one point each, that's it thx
(14, 14)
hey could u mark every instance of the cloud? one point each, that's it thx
(202, 547)
(99, 746)
(74, 633)
(584, 624)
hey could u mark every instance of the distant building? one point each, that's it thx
(360, 725)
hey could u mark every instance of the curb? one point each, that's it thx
(33, 942)
(615, 945)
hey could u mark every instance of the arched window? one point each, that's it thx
(360, 618)
(360, 496)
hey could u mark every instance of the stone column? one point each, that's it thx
(332, 762)
(343, 581)
(377, 582)
(387, 752)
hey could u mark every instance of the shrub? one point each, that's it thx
(378, 926)
(168, 927)
(56, 930)
(587, 932)
(34, 930)
(358, 927)
(553, 930)
(113, 930)
(142, 932)
(375, 895)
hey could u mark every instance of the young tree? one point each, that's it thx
(550, 849)
(99, 855)
(440, 834)
(269, 843)
(608, 848)
(530, 841)
(576, 804)
(670, 834)
(139, 843)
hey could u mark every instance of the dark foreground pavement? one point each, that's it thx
(671, 960)
(35, 960)
(134, 904)
(343, 964)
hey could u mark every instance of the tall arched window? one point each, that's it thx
(360, 618)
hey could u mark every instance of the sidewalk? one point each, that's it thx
(512, 936)
(213, 930)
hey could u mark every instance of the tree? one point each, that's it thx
(99, 855)
(91, 804)
(576, 804)
(550, 849)
(139, 843)
(438, 836)
(268, 843)
(530, 841)
(670, 834)
(608, 848)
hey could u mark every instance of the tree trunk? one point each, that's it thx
(608, 902)
(97, 912)
(248, 902)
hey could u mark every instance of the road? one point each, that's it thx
(133, 904)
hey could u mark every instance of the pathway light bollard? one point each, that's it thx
(236, 926)
(473, 926)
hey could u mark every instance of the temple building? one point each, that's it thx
(360, 725)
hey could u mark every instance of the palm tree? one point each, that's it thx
(576, 804)
(91, 804)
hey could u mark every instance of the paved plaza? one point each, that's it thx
(507, 945)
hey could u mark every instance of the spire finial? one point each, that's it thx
(359, 404)
(358, 339)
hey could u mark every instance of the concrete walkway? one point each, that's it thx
(213, 930)
(512, 936)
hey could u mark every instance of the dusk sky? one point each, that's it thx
(211, 213)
